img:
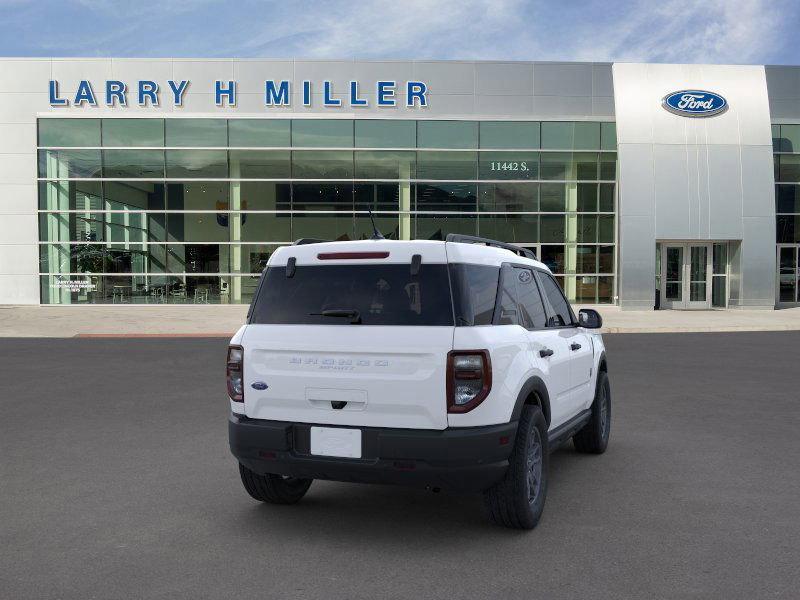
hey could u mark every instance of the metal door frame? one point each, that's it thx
(684, 303)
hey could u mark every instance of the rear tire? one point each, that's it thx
(518, 500)
(274, 489)
(593, 438)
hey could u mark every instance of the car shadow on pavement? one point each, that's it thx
(390, 514)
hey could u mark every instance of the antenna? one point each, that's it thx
(376, 235)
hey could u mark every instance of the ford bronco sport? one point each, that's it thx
(453, 364)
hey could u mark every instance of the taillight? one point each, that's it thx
(469, 379)
(235, 373)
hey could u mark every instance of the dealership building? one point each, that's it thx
(171, 181)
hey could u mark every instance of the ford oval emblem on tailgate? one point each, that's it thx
(259, 385)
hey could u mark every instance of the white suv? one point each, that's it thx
(456, 365)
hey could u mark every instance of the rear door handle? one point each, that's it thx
(574, 346)
(546, 352)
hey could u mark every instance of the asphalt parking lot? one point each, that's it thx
(116, 482)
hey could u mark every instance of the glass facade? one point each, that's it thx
(189, 210)
(786, 149)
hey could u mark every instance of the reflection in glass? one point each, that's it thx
(608, 136)
(788, 229)
(196, 132)
(62, 164)
(556, 165)
(553, 257)
(787, 198)
(720, 259)
(259, 133)
(261, 195)
(133, 132)
(70, 195)
(460, 197)
(510, 227)
(69, 132)
(606, 260)
(385, 133)
(788, 261)
(205, 164)
(585, 166)
(437, 226)
(133, 195)
(447, 165)
(606, 197)
(257, 227)
(789, 170)
(608, 166)
(323, 226)
(508, 197)
(513, 134)
(587, 228)
(587, 197)
(122, 164)
(260, 164)
(586, 289)
(316, 196)
(587, 259)
(198, 195)
(322, 164)
(558, 135)
(605, 289)
(198, 227)
(398, 186)
(447, 134)
(718, 292)
(385, 165)
(508, 165)
(552, 228)
(553, 197)
(788, 288)
(322, 133)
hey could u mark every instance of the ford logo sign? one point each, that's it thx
(259, 385)
(694, 103)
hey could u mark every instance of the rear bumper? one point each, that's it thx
(466, 459)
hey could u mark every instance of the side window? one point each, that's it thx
(531, 308)
(474, 293)
(562, 313)
(507, 298)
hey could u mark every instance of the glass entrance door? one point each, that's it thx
(672, 261)
(686, 275)
(788, 275)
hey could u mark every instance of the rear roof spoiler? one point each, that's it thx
(471, 239)
(304, 241)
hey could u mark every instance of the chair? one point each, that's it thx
(201, 294)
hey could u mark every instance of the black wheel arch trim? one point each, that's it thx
(602, 362)
(534, 385)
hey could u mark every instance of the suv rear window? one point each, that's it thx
(386, 294)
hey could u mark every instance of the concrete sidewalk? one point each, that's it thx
(224, 320)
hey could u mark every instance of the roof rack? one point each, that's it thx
(304, 241)
(471, 239)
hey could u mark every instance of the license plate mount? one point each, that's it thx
(341, 442)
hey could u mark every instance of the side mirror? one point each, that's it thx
(589, 318)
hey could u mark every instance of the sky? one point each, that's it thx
(687, 31)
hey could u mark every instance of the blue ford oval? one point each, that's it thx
(695, 103)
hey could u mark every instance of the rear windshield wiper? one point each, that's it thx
(353, 315)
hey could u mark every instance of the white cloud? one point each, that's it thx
(735, 31)
(408, 29)
(712, 31)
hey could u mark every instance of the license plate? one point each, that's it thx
(336, 441)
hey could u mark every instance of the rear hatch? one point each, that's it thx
(351, 333)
